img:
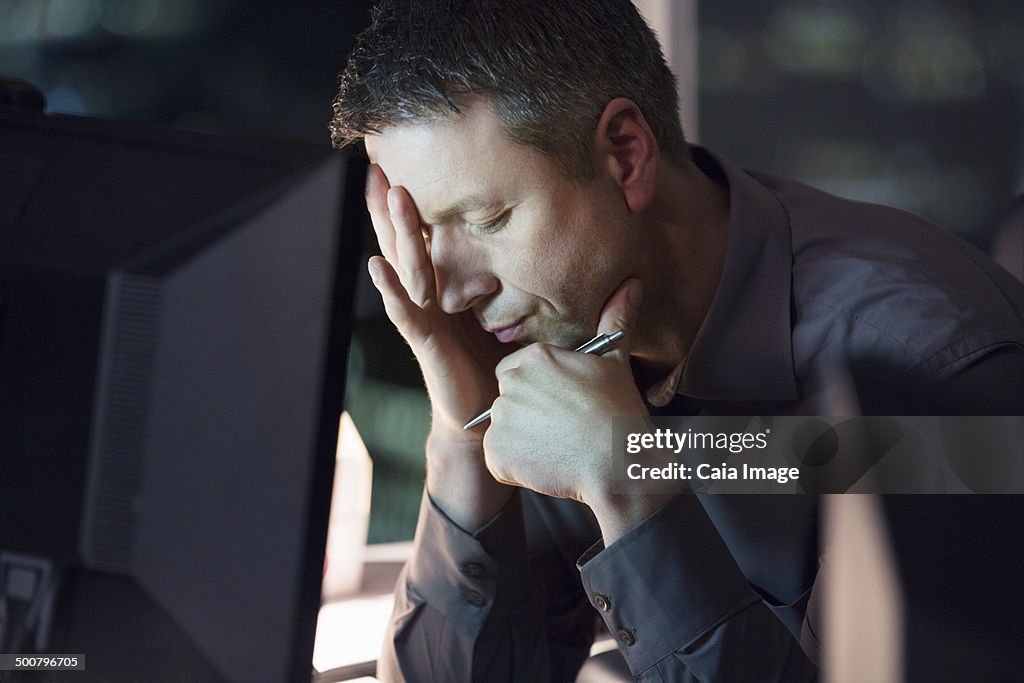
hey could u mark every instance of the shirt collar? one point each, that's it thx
(743, 350)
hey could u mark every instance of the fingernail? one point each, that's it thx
(392, 199)
(374, 271)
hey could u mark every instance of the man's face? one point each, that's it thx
(531, 253)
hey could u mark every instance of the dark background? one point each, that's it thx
(911, 103)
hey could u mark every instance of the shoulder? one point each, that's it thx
(871, 281)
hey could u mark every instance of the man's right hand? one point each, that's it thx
(457, 357)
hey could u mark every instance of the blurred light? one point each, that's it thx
(865, 597)
(602, 645)
(818, 40)
(723, 60)
(351, 632)
(830, 158)
(21, 20)
(928, 56)
(66, 99)
(33, 21)
(127, 17)
(70, 18)
(349, 516)
(21, 61)
(393, 418)
(907, 177)
(179, 17)
(76, 89)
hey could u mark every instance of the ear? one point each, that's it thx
(626, 147)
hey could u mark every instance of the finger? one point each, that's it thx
(526, 367)
(620, 313)
(510, 362)
(414, 264)
(377, 187)
(406, 315)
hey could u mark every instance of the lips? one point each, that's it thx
(508, 333)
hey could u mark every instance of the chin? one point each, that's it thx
(564, 336)
(572, 341)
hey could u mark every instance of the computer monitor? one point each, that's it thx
(175, 315)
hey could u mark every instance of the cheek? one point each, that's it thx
(596, 245)
(581, 267)
(573, 255)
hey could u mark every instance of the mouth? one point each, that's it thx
(507, 333)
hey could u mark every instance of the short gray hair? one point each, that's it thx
(547, 68)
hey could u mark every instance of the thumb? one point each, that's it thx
(620, 313)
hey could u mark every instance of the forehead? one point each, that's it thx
(459, 157)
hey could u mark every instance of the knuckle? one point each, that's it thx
(503, 366)
(507, 380)
(539, 353)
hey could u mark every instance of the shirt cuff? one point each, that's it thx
(665, 583)
(468, 577)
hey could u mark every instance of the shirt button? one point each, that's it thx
(626, 637)
(476, 599)
(602, 602)
(473, 569)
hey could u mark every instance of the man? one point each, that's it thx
(531, 187)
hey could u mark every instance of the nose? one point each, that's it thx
(462, 272)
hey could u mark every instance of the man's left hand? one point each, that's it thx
(551, 427)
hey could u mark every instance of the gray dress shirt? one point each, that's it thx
(713, 588)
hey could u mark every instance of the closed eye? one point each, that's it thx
(493, 225)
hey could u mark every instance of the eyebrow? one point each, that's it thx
(459, 207)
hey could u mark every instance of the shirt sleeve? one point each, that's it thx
(478, 607)
(674, 598)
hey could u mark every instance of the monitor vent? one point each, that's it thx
(121, 421)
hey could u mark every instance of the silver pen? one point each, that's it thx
(597, 346)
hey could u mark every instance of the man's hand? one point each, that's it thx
(456, 356)
(551, 425)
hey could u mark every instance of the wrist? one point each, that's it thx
(618, 514)
(458, 480)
